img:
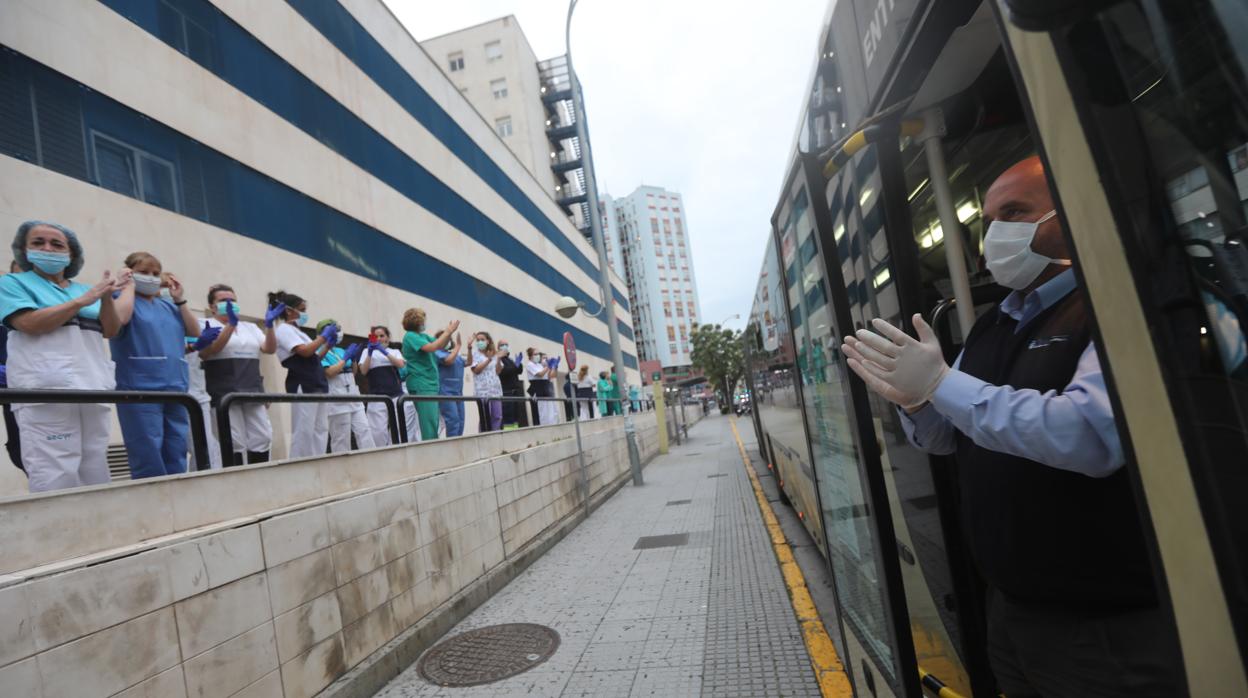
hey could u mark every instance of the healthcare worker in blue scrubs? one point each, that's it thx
(57, 329)
(301, 355)
(148, 351)
(451, 382)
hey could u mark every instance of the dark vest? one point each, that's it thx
(1038, 533)
(305, 372)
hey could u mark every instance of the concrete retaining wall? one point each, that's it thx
(275, 580)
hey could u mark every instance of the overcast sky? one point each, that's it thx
(701, 98)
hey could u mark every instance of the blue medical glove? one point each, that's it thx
(230, 315)
(207, 336)
(274, 313)
(519, 358)
(377, 346)
(353, 352)
(330, 333)
(557, 359)
(550, 364)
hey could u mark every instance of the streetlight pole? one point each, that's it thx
(604, 266)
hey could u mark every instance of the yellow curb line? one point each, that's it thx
(830, 672)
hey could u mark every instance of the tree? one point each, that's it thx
(717, 352)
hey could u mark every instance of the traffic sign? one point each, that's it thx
(569, 350)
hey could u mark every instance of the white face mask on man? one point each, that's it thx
(1007, 249)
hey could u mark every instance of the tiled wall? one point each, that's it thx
(278, 602)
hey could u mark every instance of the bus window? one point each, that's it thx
(842, 501)
(1162, 85)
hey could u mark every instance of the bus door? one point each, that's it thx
(1142, 109)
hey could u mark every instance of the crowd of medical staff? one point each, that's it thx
(54, 332)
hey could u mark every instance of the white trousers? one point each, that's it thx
(309, 429)
(376, 412)
(413, 422)
(64, 445)
(548, 412)
(214, 448)
(250, 429)
(342, 425)
(584, 411)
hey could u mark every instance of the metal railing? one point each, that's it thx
(199, 434)
(225, 437)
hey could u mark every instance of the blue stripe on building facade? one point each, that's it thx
(341, 29)
(210, 38)
(223, 192)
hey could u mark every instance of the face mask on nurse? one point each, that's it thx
(146, 285)
(223, 307)
(48, 262)
(1007, 250)
(481, 344)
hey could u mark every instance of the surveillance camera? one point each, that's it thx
(567, 307)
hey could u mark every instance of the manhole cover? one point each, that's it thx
(489, 654)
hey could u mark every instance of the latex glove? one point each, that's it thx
(556, 364)
(353, 352)
(898, 367)
(207, 336)
(377, 346)
(330, 333)
(274, 313)
(519, 358)
(232, 317)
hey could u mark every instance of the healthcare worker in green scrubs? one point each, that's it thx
(419, 348)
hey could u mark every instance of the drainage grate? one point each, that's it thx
(489, 654)
(693, 454)
(678, 502)
(669, 540)
(717, 475)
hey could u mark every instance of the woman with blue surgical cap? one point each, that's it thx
(148, 353)
(309, 421)
(56, 340)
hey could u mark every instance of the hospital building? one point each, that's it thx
(312, 147)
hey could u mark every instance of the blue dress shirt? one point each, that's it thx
(1072, 430)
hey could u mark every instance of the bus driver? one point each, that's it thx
(1045, 502)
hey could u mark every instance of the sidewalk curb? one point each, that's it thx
(375, 671)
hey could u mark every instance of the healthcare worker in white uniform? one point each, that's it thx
(56, 340)
(232, 365)
(199, 390)
(345, 418)
(381, 366)
(540, 371)
(309, 421)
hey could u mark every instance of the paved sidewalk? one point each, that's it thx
(707, 617)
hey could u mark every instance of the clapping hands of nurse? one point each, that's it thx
(231, 316)
(898, 367)
(353, 352)
(274, 313)
(105, 287)
(330, 334)
(378, 346)
(452, 326)
(207, 336)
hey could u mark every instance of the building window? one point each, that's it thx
(499, 88)
(671, 333)
(672, 347)
(127, 170)
(456, 61)
(187, 35)
(667, 309)
(503, 126)
(494, 51)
